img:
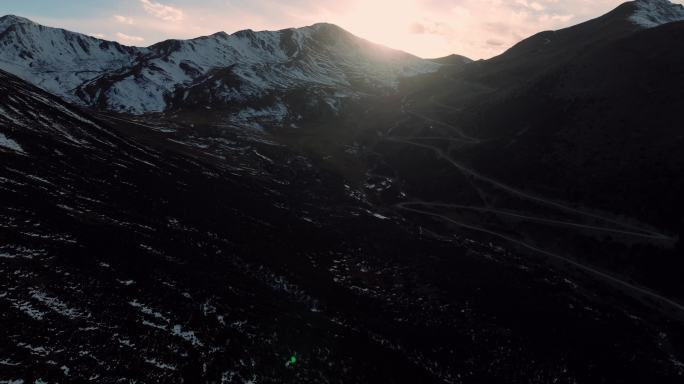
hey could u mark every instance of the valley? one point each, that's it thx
(304, 206)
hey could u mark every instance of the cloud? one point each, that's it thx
(495, 42)
(560, 19)
(161, 11)
(484, 28)
(532, 5)
(417, 28)
(98, 35)
(432, 28)
(123, 19)
(128, 39)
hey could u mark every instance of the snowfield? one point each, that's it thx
(8, 143)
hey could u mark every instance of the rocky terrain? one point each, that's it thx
(191, 212)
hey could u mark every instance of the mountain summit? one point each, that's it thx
(652, 13)
(13, 19)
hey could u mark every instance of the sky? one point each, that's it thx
(478, 29)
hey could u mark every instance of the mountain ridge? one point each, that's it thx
(260, 65)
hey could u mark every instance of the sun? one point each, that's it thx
(390, 23)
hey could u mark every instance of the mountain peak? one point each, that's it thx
(245, 33)
(15, 18)
(652, 13)
(220, 34)
(8, 20)
(327, 26)
(453, 59)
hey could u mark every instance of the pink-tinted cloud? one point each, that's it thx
(123, 19)
(162, 11)
(128, 39)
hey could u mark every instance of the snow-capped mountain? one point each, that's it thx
(652, 13)
(57, 60)
(221, 70)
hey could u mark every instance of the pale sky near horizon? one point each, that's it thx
(427, 28)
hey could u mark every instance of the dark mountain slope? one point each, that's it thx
(608, 121)
(545, 51)
(124, 261)
(598, 106)
(587, 138)
(155, 252)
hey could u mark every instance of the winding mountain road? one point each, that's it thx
(621, 228)
(586, 268)
(465, 138)
(537, 219)
(528, 196)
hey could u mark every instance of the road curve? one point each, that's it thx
(535, 218)
(574, 263)
(466, 138)
(470, 172)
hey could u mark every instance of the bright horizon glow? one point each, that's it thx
(426, 28)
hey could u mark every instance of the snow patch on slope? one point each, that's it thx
(249, 116)
(8, 143)
(652, 13)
